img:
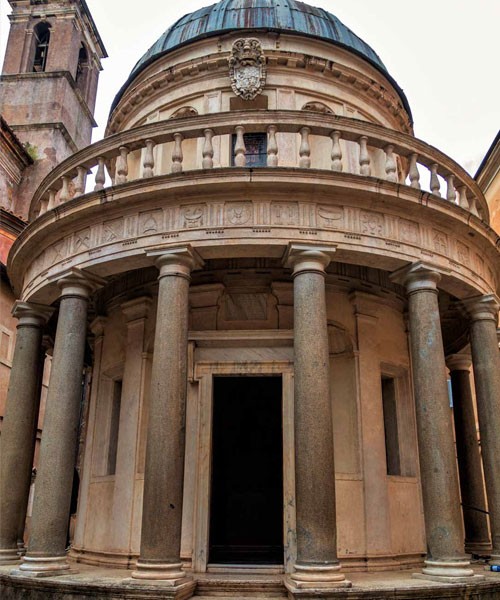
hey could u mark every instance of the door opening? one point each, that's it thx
(246, 511)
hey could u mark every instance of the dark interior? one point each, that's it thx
(246, 511)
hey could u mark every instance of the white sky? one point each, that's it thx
(445, 54)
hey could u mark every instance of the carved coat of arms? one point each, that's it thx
(247, 68)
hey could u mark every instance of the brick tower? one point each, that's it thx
(49, 83)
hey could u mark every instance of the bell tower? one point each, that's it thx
(49, 82)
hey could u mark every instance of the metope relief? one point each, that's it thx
(463, 254)
(440, 242)
(371, 223)
(283, 213)
(331, 216)
(151, 222)
(112, 231)
(82, 241)
(409, 232)
(193, 216)
(238, 213)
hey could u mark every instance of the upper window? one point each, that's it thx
(42, 39)
(255, 149)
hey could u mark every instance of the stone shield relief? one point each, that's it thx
(247, 68)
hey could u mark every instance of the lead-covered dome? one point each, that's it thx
(269, 15)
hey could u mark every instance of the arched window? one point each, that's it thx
(42, 39)
(83, 62)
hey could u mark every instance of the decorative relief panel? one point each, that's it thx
(82, 240)
(372, 223)
(440, 242)
(331, 216)
(247, 68)
(193, 216)
(112, 231)
(238, 213)
(150, 222)
(56, 253)
(283, 213)
(463, 254)
(409, 231)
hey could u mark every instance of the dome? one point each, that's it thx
(270, 15)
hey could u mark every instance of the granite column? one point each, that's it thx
(446, 560)
(317, 570)
(17, 443)
(46, 553)
(483, 313)
(164, 470)
(469, 457)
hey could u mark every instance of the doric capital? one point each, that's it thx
(176, 260)
(482, 308)
(75, 282)
(308, 258)
(30, 314)
(458, 362)
(136, 309)
(418, 277)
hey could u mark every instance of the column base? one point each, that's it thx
(43, 566)
(315, 580)
(447, 571)
(9, 556)
(478, 548)
(171, 574)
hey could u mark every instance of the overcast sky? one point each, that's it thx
(445, 54)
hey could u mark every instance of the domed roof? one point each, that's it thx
(271, 15)
(287, 16)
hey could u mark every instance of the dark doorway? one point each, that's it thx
(246, 511)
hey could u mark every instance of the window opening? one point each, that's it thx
(83, 60)
(389, 401)
(114, 426)
(42, 39)
(256, 149)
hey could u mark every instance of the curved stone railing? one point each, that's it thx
(68, 180)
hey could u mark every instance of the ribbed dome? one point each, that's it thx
(270, 15)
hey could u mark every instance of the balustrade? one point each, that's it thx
(68, 180)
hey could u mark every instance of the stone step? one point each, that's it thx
(241, 588)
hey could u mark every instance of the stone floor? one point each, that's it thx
(91, 582)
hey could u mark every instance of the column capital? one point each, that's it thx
(176, 260)
(418, 277)
(136, 309)
(308, 258)
(482, 308)
(31, 314)
(75, 282)
(459, 362)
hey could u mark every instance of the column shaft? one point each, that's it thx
(486, 362)
(317, 563)
(165, 447)
(47, 544)
(469, 460)
(19, 429)
(438, 467)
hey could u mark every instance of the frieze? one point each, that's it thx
(238, 213)
(82, 240)
(112, 231)
(284, 213)
(372, 223)
(409, 231)
(440, 242)
(463, 254)
(331, 216)
(150, 222)
(193, 216)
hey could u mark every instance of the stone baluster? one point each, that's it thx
(122, 166)
(305, 148)
(79, 185)
(483, 312)
(65, 194)
(17, 441)
(390, 164)
(451, 194)
(438, 464)
(336, 152)
(149, 160)
(473, 207)
(317, 566)
(240, 160)
(100, 176)
(364, 157)
(177, 156)
(413, 172)
(462, 197)
(272, 146)
(208, 150)
(52, 199)
(434, 184)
